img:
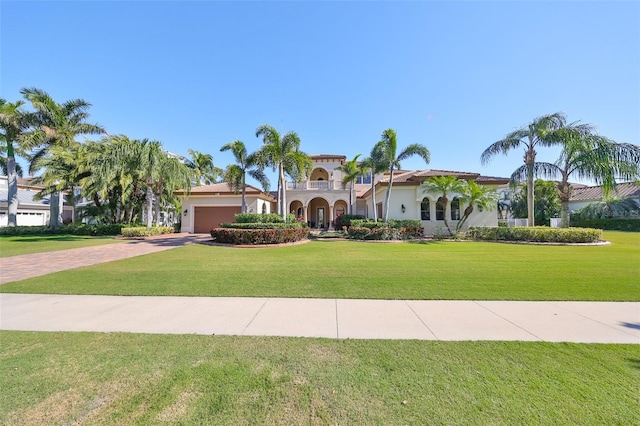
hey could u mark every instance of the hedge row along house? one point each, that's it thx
(322, 197)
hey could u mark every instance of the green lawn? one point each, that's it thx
(94, 378)
(28, 244)
(347, 269)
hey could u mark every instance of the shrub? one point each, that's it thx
(258, 236)
(384, 232)
(141, 231)
(535, 234)
(345, 220)
(260, 225)
(258, 218)
(72, 229)
(632, 225)
(404, 223)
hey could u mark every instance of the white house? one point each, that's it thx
(321, 198)
(584, 195)
(30, 212)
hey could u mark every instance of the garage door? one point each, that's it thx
(207, 218)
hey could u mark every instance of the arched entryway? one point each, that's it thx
(318, 215)
(340, 207)
(297, 208)
(319, 174)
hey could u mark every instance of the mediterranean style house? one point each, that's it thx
(321, 198)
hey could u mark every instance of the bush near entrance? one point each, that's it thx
(536, 234)
(393, 229)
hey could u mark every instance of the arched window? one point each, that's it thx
(425, 209)
(455, 209)
(439, 209)
(264, 208)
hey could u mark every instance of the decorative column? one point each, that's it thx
(304, 213)
(330, 217)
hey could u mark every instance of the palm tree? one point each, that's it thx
(55, 125)
(284, 155)
(389, 146)
(350, 172)
(442, 186)
(530, 137)
(206, 172)
(374, 165)
(475, 195)
(586, 155)
(235, 175)
(13, 124)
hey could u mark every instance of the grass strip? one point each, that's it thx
(94, 378)
(347, 269)
(29, 244)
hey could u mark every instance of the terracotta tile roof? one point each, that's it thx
(594, 193)
(218, 189)
(327, 157)
(418, 176)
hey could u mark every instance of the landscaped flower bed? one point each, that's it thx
(259, 236)
(142, 231)
(536, 234)
(255, 229)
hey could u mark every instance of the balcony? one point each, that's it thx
(315, 185)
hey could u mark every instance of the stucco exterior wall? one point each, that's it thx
(254, 205)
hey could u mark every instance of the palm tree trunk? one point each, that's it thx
(244, 191)
(351, 199)
(564, 213)
(12, 181)
(373, 198)
(388, 196)
(284, 193)
(149, 207)
(54, 210)
(530, 158)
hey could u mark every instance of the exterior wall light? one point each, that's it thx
(185, 212)
(404, 209)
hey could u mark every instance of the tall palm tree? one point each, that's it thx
(284, 155)
(442, 187)
(529, 137)
(235, 175)
(389, 147)
(55, 125)
(373, 164)
(13, 124)
(350, 172)
(206, 172)
(586, 155)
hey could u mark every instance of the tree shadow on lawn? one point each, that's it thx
(64, 237)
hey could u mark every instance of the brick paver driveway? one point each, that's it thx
(37, 264)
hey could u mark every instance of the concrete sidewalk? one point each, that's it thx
(583, 322)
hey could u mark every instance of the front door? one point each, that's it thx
(320, 217)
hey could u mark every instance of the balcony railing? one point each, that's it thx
(315, 185)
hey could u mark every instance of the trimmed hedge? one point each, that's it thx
(536, 234)
(72, 229)
(258, 218)
(632, 225)
(345, 220)
(384, 233)
(262, 225)
(258, 236)
(141, 231)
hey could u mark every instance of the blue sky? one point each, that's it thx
(454, 76)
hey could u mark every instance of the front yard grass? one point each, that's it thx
(347, 269)
(96, 378)
(28, 244)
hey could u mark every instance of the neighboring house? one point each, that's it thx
(585, 195)
(206, 207)
(321, 198)
(30, 211)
